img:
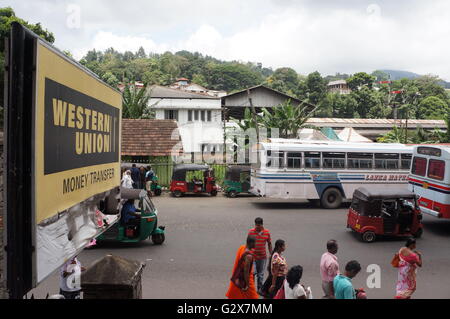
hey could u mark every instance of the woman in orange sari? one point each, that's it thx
(244, 259)
(410, 259)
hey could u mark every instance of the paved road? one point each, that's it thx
(203, 234)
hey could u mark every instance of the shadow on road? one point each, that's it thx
(293, 205)
(437, 227)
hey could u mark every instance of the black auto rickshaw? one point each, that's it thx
(381, 211)
(196, 184)
(237, 180)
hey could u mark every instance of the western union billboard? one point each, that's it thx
(62, 149)
(77, 134)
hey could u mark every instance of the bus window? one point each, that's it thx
(275, 159)
(386, 161)
(333, 160)
(359, 160)
(294, 160)
(312, 159)
(436, 169)
(419, 166)
(406, 161)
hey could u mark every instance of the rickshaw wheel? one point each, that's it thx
(177, 193)
(418, 233)
(368, 237)
(214, 193)
(157, 192)
(158, 239)
(232, 194)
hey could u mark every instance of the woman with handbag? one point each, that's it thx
(277, 269)
(242, 282)
(408, 259)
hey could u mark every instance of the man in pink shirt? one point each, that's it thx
(329, 268)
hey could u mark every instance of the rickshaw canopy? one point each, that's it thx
(131, 193)
(234, 172)
(381, 194)
(369, 202)
(179, 171)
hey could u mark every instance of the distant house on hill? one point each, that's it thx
(234, 104)
(183, 84)
(339, 86)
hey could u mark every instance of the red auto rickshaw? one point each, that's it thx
(180, 186)
(390, 212)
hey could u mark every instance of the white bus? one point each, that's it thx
(327, 171)
(430, 179)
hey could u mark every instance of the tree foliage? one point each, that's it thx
(135, 103)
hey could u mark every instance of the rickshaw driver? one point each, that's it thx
(129, 213)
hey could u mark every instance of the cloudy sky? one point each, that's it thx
(325, 35)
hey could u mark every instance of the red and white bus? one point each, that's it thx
(430, 179)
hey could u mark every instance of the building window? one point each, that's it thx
(171, 115)
(190, 116)
(209, 116)
(195, 115)
(202, 116)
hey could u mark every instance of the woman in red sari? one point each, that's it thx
(410, 259)
(248, 291)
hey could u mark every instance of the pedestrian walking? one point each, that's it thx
(342, 284)
(408, 261)
(126, 181)
(277, 271)
(142, 173)
(149, 178)
(135, 175)
(242, 283)
(293, 289)
(329, 268)
(262, 236)
(70, 279)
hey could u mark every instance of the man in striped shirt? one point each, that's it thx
(262, 236)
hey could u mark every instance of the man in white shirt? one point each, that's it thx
(329, 268)
(70, 279)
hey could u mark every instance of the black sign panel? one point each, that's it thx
(90, 126)
(432, 151)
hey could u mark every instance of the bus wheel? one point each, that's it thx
(232, 194)
(368, 237)
(418, 233)
(331, 198)
(177, 193)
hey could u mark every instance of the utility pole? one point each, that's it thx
(255, 121)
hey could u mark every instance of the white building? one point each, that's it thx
(339, 86)
(199, 118)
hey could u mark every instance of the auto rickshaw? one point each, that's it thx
(390, 212)
(155, 187)
(237, 180)
(142, 227)
(180, 186)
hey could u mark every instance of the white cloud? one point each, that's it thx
(105, 40)
(328, 36)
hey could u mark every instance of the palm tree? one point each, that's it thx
(135, 103)
(397, 135)
(288, 118)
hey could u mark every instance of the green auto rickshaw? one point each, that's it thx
(237, 180)
(155, 187)
(140, 228)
